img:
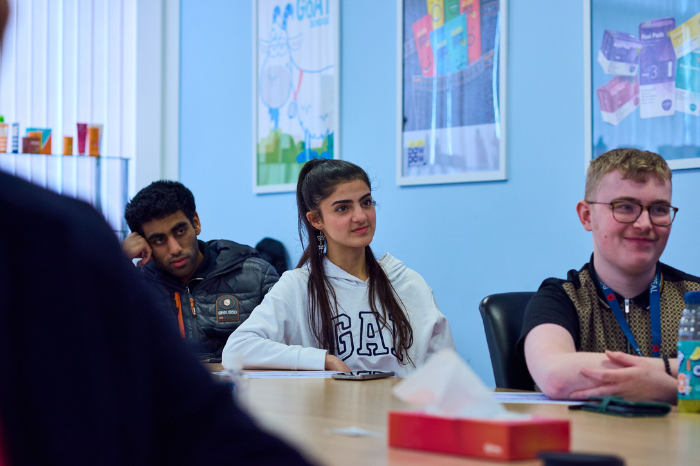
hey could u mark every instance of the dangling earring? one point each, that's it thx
(321, 242)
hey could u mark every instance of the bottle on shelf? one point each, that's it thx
(3, 134)
(689, 355)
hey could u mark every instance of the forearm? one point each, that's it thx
(258, 352)
(559, 375)
(668, 390)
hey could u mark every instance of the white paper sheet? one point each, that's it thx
(288, 374)
(533, 398)
(354, 431)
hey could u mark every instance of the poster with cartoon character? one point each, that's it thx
(451, 91)
(296, 88)
(643, 68)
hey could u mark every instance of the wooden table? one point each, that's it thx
(303, 411)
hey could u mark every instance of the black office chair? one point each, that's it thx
(503, 319)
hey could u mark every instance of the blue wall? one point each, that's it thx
(467, 240)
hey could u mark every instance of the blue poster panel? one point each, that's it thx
(451, 102)
(645, 78)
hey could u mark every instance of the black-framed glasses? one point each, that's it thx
(661, 215)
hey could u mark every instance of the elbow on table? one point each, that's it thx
(233, 354)
(555, 385)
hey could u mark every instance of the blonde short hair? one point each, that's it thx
(633, 164)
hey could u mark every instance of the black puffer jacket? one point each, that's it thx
(220, 302)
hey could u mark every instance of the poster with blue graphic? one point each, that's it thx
(296, 51)
(451, 122)
(645, 78)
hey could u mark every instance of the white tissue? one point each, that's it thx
(447, 386)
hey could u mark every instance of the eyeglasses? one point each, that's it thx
(628, 212)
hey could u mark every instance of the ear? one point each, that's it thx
(583, 209)
(314, 219)
(196, 224)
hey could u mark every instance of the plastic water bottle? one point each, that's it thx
(238, 380)
(689, 355)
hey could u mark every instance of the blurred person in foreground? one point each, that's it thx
(90, 376)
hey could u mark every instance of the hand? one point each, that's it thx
(333, 363)
(640, 379)
(135, 246)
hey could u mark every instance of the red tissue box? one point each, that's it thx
(495, 439)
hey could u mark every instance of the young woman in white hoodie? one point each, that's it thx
(341, 309)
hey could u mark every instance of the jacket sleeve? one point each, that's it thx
(442, 335)
(271, 337)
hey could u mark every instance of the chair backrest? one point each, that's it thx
(503, 319)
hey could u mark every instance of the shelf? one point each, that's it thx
(102, 182)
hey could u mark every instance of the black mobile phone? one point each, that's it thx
(362, 375)
(618, 406)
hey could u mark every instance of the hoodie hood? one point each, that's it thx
(391, 265)
(229, 254)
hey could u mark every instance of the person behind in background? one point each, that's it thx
(341, 309)
(207, 289)
(611, 328)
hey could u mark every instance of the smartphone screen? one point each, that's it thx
(362, 375)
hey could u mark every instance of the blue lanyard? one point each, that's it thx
(654, 311)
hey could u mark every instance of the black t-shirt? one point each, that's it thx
(578, 305)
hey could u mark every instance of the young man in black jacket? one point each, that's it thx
(207, 289)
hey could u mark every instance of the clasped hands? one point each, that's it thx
(636, 379)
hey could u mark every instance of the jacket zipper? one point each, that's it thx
(195, 326)
(627, 316)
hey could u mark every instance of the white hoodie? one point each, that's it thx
(277, 334)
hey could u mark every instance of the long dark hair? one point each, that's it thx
(317, 180)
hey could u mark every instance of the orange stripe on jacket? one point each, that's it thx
(178, 303)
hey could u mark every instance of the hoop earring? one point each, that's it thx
(321, 242)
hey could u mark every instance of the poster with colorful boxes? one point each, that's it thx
(451, 95)
(644, 89)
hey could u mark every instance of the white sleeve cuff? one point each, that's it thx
(311, 359)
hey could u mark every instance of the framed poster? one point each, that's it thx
(642, 78)
(296, 58)
(451, 91)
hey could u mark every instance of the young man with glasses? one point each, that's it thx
(611, 328)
